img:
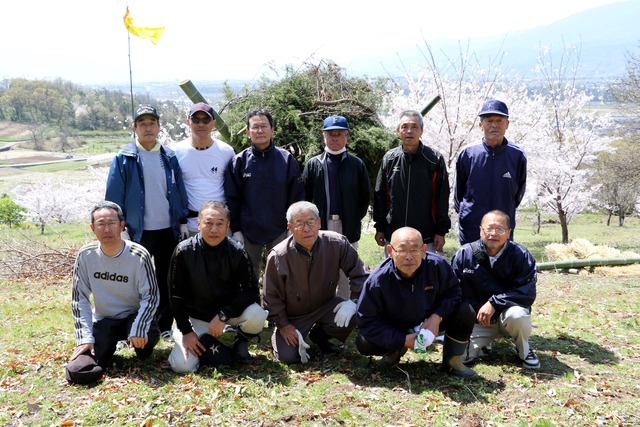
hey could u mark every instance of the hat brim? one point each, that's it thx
(497, 113)
(335, 128)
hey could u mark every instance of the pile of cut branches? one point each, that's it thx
(30, 259)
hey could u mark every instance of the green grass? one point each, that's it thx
(586, 333)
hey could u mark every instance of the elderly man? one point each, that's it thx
(118, 275)
(260, 184)
(300, 282)
(145, 180)
(498, 278)
(212, 285)
(489, 175)
(203, 160)
(412, 188)
(338, 184)
(408, 300)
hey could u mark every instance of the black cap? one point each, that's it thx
(83, 370)
(216, 353)
(145, 110)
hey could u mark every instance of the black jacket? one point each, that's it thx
(355, 191)
(412, 190)
(204, 280)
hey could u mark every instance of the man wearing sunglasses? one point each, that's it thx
(203, 160)
(498, 279)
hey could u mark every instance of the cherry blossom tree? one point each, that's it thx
(58, 201)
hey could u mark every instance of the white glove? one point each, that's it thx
(238, 237)
(345, 311)
(302, 348)
(184, 232)
(124, 234)
(428, 337)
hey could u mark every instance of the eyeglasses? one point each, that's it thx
(403, 252)
(498, 231)
(312, 222)
(103, 225)
(198, 120)
(255, 128)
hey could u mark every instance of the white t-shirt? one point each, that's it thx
(203, 173)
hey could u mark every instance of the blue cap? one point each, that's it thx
(335, 122)
(145, 110)
(493, 106)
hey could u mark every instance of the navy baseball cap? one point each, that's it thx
(335, 122)
(145, 110)
(201, 106)
(493, 106)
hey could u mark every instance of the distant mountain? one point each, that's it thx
(605, 35)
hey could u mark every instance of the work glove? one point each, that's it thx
(238, 237)
(302, 348)
(345, 311)
(428, 337)
(184, 232)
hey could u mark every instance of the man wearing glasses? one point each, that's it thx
(119, 277)
(498, 279)
(489, 175)
(260, 183)
(203, 161)
(300, 281)
(410, 299)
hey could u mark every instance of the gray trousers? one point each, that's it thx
(514, 322)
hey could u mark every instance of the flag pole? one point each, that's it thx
(130, 73)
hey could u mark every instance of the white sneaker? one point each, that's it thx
(167, 336)
(531, 361)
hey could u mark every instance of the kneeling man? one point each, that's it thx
(498, 278)
(413, 293)
(300, 282)
(212, 285)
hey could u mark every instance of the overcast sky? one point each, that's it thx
(85, 41)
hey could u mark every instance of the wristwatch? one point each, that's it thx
(223, 317)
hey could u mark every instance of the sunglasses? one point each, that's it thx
(198, 120)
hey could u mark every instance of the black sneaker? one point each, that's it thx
(391, 359)
(531, 361)
(318, 337)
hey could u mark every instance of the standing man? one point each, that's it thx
(203, 161)
(412, 188)
(338, 184)
(145, 179)
(300, 283)
(489, 175)
(498, 279)
(413, 293)
(119, 276)
(212, 284)
(260, 183)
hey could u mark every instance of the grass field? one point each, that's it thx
(586, 333)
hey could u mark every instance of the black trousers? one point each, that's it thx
(458, 326)
(160, 244)
(107, 333)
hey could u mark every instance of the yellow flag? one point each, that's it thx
(151, 33)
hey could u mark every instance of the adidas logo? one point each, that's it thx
(114, 277)
(507, 175)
